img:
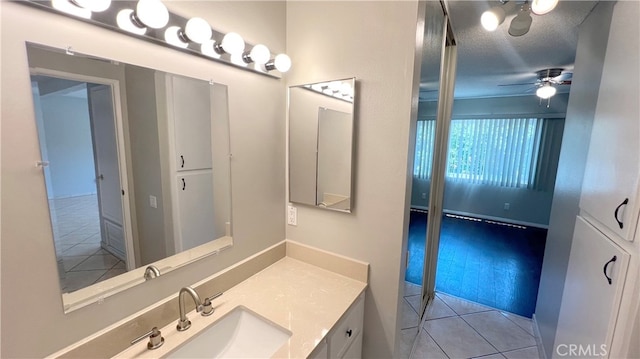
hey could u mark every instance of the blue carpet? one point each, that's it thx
(491, 264)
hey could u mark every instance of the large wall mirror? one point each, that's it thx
(321, 123)
(136, 167)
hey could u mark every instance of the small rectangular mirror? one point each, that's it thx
(321, 123)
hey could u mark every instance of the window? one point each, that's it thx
(499, 152)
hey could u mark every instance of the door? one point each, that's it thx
(195, 209)
(436, 197)
(593, 289)
(107, 169)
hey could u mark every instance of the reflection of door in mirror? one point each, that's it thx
(78, 140)
(334, 159)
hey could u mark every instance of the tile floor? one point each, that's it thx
(76, 232)
(456, 328)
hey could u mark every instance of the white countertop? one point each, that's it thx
(305, 299)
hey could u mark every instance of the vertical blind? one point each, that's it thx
(498, 152)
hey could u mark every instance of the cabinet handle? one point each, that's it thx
(605, 268)
(615, 214)
(181, 161)
(184, 184)
(349, 333)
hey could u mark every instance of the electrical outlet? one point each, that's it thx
(292, 215)
(153, 202)
(507, 205)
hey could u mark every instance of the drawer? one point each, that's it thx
(348, 330)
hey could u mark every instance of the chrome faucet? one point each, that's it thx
(184, 323)
(151, 272)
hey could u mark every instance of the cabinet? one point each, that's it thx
(611, 174)
(190, 114)
(191, 110)
(592, 292)
(345, 338)
(195, 208)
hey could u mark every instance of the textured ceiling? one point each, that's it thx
(487, 59)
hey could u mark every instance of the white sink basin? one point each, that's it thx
(241, 333)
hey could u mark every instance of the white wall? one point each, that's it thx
(67, 129)
(31, 306)
(592, 41)
(334, 40)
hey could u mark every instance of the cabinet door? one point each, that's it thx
(191, 108)
(590, 302)
(345, 334)
(321, 351)
(611, 174)
(195, 209)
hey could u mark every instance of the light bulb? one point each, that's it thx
(541, 7)
(546, 91)
(317, 87)
(282, 63)
(67, 7)
(123, 19)
(260, 54)
(172, 37)
(327, 91)
(152, 13)
(198, 30)
(93, 5)
(232, 43)
(237, 59)
(208, 49)
(492, 18)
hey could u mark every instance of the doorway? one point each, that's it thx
(79, 141)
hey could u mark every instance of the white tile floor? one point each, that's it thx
(455, 328)
(76, 232)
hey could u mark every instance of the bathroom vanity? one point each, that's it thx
(305, 303)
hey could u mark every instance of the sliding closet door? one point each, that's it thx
(438, 70)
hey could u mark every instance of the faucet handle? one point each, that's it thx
(207, 309)
(155, 338)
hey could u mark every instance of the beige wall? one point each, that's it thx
(332, 40)
(33, 323)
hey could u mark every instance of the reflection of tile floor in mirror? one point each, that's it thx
(76, 229)
(456, 328)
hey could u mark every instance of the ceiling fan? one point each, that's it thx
(548, 80)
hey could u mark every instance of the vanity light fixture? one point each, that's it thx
(172, 37)
(70, 8)
(152, 21)
(196, 30)
(232, 43)
(281, 62)
(259, 54)
(93, 5)
(338, 89)
(151, 13)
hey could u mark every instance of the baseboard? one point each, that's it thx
(542, 354)
(488, 218)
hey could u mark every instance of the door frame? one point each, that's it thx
(120, 145)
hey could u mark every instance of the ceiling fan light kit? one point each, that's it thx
(521, 23)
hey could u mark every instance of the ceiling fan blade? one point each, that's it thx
(565, 76)
(521, 84)
(565, 82)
